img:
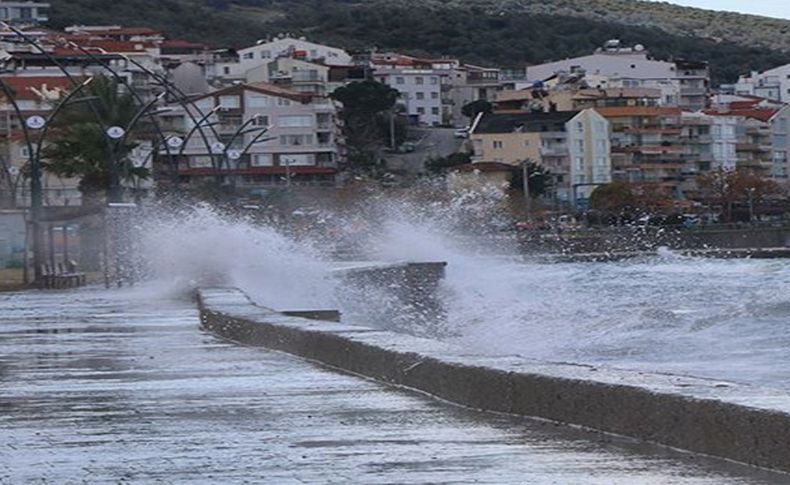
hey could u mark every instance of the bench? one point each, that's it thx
(62, 275)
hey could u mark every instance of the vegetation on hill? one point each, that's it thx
(509, 33)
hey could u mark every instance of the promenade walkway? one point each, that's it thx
(122, 387)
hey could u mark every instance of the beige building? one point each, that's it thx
(572, 145)
(260, 135)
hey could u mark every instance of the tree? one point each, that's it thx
(364, 104)
(78, 146)
(614, 198)
(442, 164)
(726, 188)
(540, 179)
(471, 110)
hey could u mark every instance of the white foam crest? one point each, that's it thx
(200, 247)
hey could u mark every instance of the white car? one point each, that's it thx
(461, 133)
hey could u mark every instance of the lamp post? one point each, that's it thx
(750, 192)
(36, 123)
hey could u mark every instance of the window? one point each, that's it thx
(434, 80)
(226, 70)
(579, 163)
(421, 110)
(580, 145)
(296, 140)
(262, 160)
(419, 80)
(249, 55)
(257, 101)
(435, 111)
(579, 126)
(283, 102)
(265, 54)
(260, 120)
(297, 159)
(420, 95)
(434, 95)
(24, 152)
(293, 121)
(230, 102)
(497, 144)
(399, 80)
(200, 161)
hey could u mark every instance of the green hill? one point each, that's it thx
(508, 33)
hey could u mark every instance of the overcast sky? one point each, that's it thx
(771, 8)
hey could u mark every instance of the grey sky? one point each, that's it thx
(771, 8)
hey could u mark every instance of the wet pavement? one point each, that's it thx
(117, 387)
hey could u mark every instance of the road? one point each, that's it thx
(430, 143)
(123, 387)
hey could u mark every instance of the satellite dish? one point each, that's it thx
(13, 171)
(115, 132)
(234, 154)
(639, 48)
(35, 122)
(217, 147)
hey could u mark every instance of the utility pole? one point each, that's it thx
(392, 129)
(527, 196)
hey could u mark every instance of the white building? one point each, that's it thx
(590, 152)
(264, 52)
(683, 84)
(301, 145)
(24, 12)
(772, 84)
(420, 93)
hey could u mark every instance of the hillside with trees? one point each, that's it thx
(507, 33)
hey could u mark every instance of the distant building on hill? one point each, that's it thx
(684, 84)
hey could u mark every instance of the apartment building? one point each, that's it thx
(252, 58)
(420, 93)
(773, 84)
(466, 84)
(573, 145)
(646, 145)
(34, 95)
(24, 12)
(301, 144)
(684, 84)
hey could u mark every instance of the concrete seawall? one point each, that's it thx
(748, 425)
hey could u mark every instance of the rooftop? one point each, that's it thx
(523, 122)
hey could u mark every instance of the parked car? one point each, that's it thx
(461, 132)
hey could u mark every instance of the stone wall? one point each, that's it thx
(740, 423)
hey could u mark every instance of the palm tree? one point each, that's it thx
(78, 146)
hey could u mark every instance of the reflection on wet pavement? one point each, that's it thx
(119, 386)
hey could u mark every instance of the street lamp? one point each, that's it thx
(36, 123)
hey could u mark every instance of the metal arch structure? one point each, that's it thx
(34, 155)
(183, 98)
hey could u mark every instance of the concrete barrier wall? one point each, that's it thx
(740, 423)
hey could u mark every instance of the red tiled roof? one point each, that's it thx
(263, 88)
(761, 114)
(26, 87)
(108, 45)
(623, 111)
(182, 44)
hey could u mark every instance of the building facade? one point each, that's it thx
(298, 133)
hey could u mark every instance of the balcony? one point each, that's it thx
(558, 151)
